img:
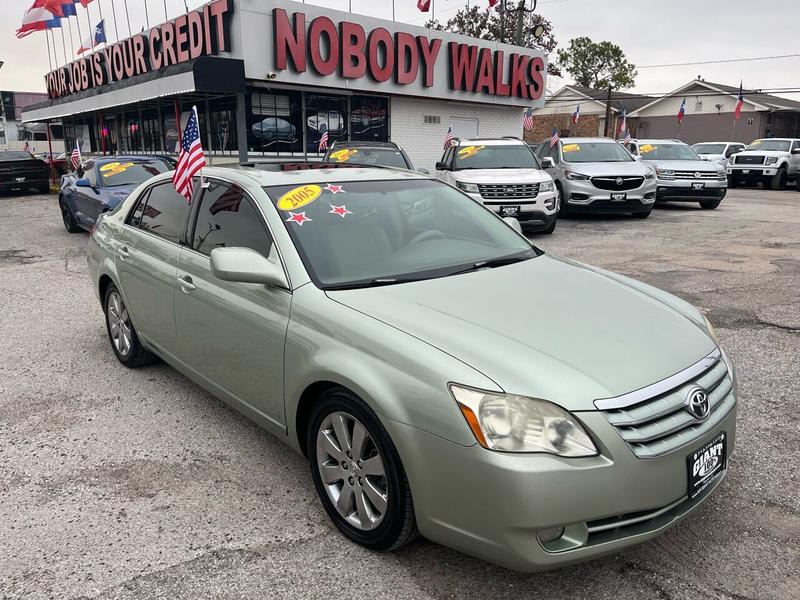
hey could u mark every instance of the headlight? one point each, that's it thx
(771, 160)
(470, 188)
(547, 186)
(575, 176)
(650, 175)
(665, 173)
(711, 332)
(510, 423)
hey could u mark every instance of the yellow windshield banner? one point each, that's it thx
(570, 148)
(468, 151)
(115, 168)
(299, 197)
(647, 148)
(344, 154)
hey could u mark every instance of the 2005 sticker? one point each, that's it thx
(299, 197)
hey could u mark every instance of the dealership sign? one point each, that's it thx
(350, 51)
(190, 36)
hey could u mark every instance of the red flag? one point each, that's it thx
(424, 5)
(37, 18)
(739, 103)
(492, 3)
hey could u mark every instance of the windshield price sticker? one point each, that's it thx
(115, 168)
(647, 148)
(570, 148)
(469, 151)
(344, 154)
(299, 197)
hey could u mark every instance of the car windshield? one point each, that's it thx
(494, 156)
(585, 152)
(667, 152)
(382, 157)
(126, 172)
(770, 145)
(15, 155)
(709, 148)
(372, 233)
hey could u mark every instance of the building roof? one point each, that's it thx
(619, 100)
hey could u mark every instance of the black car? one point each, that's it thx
(381, 154)
(23, 171)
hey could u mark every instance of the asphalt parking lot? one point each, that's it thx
(138, 484)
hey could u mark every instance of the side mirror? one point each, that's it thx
(442, 166)
(83, 183)
(636, 157)
(243, 265)
(423, 171)
(513, 223)
(547, 163)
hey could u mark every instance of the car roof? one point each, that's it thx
(494, 141)
(665, 141)
(586, 140)
(775, 139)
(132, 158)
(729, 143)
(300, 173)
(366, 144)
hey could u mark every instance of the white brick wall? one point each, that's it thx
(423, 142)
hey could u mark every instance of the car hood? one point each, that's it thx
(501, 176)
(614, 169)
(547, 327)
(113, 197)
(681, 165)
(764, 153)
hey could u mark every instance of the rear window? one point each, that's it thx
(162, 213)
(15, 155)
(381, 157)
(126, 172)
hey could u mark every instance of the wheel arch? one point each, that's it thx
(308, 398)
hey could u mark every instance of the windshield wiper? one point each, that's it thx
(494, 263)
(369, 283)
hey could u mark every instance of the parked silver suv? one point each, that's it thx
(682, 175)
(597, 175)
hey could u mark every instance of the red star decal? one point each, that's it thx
(340, 210)
(334, 189)
(298, 218)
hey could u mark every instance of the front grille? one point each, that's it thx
(510, 190)
(621, 205)
(713, 175)
(617, 184)
(661, 424)
(750, 159)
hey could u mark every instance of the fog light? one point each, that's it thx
(547, 536)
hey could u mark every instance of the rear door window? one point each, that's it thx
(164, 213)
(227, 218)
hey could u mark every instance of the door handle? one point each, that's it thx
(123, 253)
(187, 285)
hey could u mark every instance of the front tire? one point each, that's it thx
(552, 228)
(358, 473)
(710, 204)
(779, 180)
(642, 214)
(70, 223)
(121, 333)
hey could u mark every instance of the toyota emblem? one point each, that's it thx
(620, 181)
(697, 404)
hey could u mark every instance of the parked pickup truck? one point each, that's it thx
(771, 161)
(22, 171)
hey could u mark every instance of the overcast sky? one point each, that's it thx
(649, 31)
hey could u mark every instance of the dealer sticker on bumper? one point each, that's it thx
(706, 464)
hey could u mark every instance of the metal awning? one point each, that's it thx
(207, 74)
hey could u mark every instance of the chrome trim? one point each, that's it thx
(634, 520)
(660, 387)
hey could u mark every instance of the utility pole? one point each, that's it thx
(520, 21)
(608, 111)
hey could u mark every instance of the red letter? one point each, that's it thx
(500, 88)
(535, 68)
(462, 66)
(319, 26)
(138, 54)
(128, 59)
(168, 44)
(97, 70)
(219, 8)
(155, 54)
(181, 38)
(407, 60)
(518, 65)
(429, 54)
(118, 62)
(381, 37)
(485, 75)
(195, 35)
(354, 63)
(289, 39)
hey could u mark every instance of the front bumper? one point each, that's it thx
(684, 189)
(492, 505)
(755, 173)
(539, 212)
(29, 181)
(583, 196)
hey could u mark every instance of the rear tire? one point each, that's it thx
(121, 333)
(710, 204)
(779, 180)
(70, 223)
(365, 492)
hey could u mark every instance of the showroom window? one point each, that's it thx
(223, 135)
(325, 111)
(275, 122)
(369, 119)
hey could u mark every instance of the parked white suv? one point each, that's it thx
(505, 176)
(771, 161)
(718, 152)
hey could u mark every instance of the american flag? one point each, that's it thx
(323, 141)
(190, 159)
(576, 116)
(448, 139)
(627, 139)
(424, 5)
(527, 119)
(554, 138)
(623, 126)
(75, 157)
(739, 102)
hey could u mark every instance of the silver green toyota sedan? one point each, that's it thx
(442, 375)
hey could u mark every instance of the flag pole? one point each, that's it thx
(71, 40)
(128, 17)
(63, 42)
(49, 58)
(114, 13)
(146, 14)
(166, 12)
(80, 35)
(89, 25)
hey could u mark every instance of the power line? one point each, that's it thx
(718, 62)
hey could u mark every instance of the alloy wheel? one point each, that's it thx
(67, 216)
(352, 471)
(119, 324)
